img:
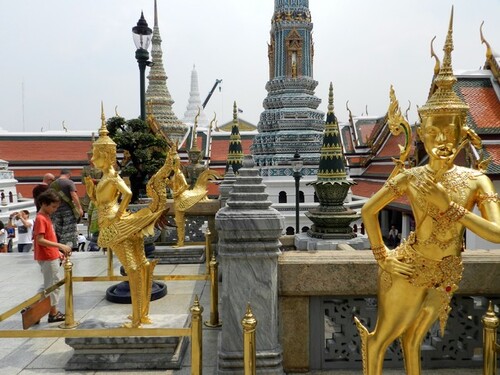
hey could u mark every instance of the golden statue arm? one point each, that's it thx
(90, 188)
(487, 225)
(126, 195)
(369, 213)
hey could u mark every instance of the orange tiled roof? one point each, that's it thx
(391, 147)
(364, 130)
(378, 170)
(366, 189)
(484, 113)
(44, 150)
(220, 148)
(347, 140)
(493, 151)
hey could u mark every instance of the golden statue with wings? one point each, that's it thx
(121, 231)
(184, 197)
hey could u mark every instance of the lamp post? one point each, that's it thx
(142, 37)
(297, 164)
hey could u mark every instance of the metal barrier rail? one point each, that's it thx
(37, 297)
(490, 346)
(195, 332)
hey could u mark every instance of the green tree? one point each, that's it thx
(144, 151)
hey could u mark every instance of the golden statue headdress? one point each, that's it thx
(444, 100)
(104, 141)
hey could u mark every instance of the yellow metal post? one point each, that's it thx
(196, 338)
(208, 248)
(214, 294)
(69, 321)
(249, 348)
(490, 346)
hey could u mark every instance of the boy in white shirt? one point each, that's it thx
(81, 242)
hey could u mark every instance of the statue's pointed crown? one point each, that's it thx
(104, 139)
(444, 100)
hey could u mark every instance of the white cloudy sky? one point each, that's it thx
(71, 54)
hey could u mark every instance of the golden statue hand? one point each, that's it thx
(394, 266)
(90, 187)
(433, 192)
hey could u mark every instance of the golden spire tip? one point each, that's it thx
(330, 98)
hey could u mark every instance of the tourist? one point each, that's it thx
(48, 252)
(3, 236)
(11, 234)
(48, 178)
(24, 226)
(417, 280)
(81, 242)
(69, 212)
(393, 236)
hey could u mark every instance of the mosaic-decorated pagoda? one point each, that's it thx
(235, 153)
(158, 95)
(331, 219)
(290, 121)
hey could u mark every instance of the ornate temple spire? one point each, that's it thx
(194, 104)
(158, 95)
(290, 121)
(194, 141)
(331, 164)
(331, 219)
(235, 154)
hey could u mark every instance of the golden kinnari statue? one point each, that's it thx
(185, 198)
(122, 231)
(417, 279)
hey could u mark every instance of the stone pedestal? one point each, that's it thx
(170, 254)
(249, 231)
(129, 353)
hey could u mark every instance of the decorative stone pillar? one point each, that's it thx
(249, 230)
(226, 186)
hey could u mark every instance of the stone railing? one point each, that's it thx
(321, 291)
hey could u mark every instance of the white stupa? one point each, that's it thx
(10, 200)
(194, 103)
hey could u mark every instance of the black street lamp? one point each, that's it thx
(297, 164)
(142, 38)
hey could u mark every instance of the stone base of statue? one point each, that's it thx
(171, 254)
(129, 353)
(304, 242)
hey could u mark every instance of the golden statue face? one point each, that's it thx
(100, 157)
(441, 135)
